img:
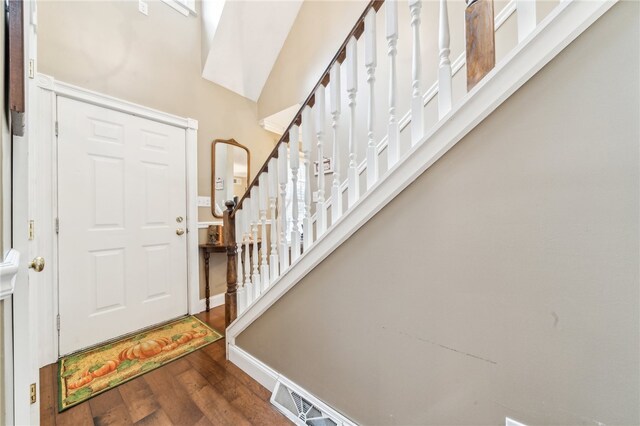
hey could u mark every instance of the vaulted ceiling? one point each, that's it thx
(241, 41)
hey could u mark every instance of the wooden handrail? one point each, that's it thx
(324, 79)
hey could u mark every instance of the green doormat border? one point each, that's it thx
(88, 373)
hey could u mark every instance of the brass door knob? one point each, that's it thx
(179, 231)
(37, 264)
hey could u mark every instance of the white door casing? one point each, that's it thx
(46, 91)
(22, 206)
(121, 199)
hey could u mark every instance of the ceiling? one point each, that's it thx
(278, 122)
(241, 41)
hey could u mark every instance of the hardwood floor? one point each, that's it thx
(202, 388)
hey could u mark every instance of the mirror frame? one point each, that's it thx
(232, 142)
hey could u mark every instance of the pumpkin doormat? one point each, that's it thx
(89, 373)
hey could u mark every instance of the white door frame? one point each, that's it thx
(23, 207)
(48, 89)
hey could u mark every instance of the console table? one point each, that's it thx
(207, 249)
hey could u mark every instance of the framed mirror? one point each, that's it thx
(230, 171)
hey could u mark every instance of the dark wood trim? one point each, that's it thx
(339, 57)
(213, 168)
(230, 297)
(480, 39)
(15, 35)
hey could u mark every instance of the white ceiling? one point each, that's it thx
(241, 41)
(278, 122)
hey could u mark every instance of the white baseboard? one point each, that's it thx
(214, 301)
(259, 371)
(269, 378)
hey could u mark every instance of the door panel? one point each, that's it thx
(121, 188)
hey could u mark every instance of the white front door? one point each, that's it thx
(121, 209)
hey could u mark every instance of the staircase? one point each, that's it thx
(372, 161)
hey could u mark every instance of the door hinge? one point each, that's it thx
(32, 393)
(31, 230)
(57, 225)
(58, 322)
(32, 68)
(56, 129)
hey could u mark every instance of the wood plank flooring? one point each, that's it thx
(202, 388)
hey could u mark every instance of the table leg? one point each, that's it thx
(206, 278)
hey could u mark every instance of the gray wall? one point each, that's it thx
(505, 280)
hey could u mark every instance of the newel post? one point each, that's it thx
(230, 299)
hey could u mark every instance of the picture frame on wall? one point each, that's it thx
(327, 166)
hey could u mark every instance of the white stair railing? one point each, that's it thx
(271, 191)
(321, 211)
(335, 98)
(352, 90)
(370, 61)
(307, 143)
(393, 136)
(274, 259)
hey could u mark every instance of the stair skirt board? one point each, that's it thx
(300, 406)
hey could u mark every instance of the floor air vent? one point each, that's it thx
(304, 409)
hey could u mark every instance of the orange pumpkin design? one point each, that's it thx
(145, 349)
(86, 378)
(107, 368)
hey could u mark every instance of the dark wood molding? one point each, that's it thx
(356, 31)
(230, 297)
(15, 35)
(481, 45)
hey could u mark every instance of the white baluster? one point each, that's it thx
(246, 225)
(307, 143)
(334, 95)
(352, 88)
(321, 210)
(417, 119)
(370, 61)
(255, 219)
(242, 299)
(393, 139)
(264, 263)
(526, 11)
(274, 266)
(283, 177)
(445, 90)
(294, 154)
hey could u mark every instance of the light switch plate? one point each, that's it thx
(143, 7)
(511, 422)
(204, 201)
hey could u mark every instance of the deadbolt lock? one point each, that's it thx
(179, 219)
